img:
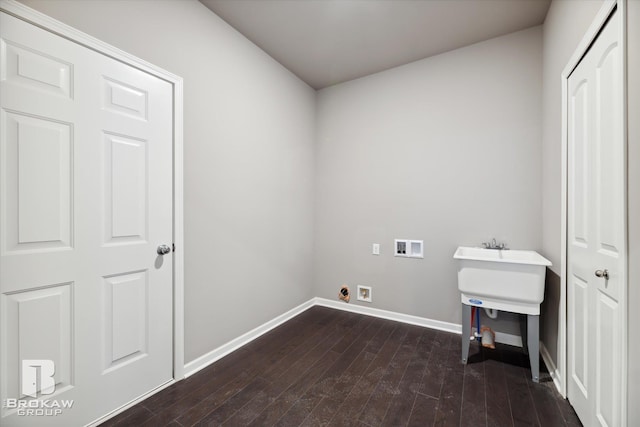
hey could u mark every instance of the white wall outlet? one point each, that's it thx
(375, 249)
(364, 293)
(408, 248)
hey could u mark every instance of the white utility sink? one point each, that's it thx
(509, 280)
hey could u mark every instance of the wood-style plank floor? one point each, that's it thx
(335, 368)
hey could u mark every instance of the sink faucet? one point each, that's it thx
(494, 245)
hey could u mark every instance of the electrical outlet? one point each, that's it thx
(375, 250)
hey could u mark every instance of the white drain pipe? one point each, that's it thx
(491, 312)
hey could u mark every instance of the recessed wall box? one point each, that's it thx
(400, 247)
(409, 248)
(364, 293)
(416, 249)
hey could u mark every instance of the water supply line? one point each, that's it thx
(473, 314)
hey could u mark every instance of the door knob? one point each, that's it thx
(603, 273)
(163, 250)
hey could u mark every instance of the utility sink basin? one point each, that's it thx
(509, 280)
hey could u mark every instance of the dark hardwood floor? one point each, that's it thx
(334, 368)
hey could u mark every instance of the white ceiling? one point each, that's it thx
(325, 42)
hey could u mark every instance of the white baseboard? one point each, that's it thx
(389, 315)
(456, 328)
(126, 406)
(551, 367)
(218, 353)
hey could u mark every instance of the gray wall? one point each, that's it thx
(445, 149)
(633, 49)
(565, 25)
(249, 131)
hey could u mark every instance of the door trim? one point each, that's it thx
(592, 32)
(45, 22)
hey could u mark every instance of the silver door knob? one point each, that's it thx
(163, 250)
(603, 273)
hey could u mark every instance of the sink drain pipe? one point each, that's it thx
(491, 312)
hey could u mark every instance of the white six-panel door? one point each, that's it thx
(596, 227)
(86, 198)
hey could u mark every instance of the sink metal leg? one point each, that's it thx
(466, 331)
(533, 344)
(523, 332)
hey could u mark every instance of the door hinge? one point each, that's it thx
(173, 247)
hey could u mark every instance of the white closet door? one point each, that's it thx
(596, 227)
(86, 198)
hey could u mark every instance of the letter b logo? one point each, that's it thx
(37, 375)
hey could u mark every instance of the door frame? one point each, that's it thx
(592, 32)
(45, 22)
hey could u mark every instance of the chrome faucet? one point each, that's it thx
(494, 245)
